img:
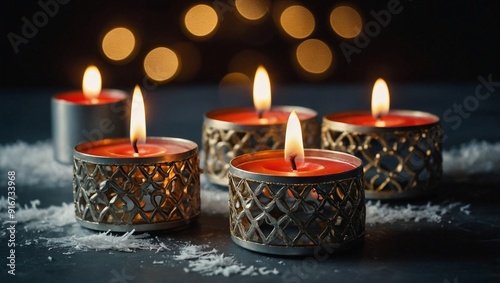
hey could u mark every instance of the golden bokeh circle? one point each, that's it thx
(201, 20)
(314, 56)
(297, 21)
(346, 21)
(251, 9)
(161, 64)
(118, 43)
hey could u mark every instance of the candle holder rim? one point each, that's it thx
(109, 91)
(192, 149)
(343, 126)
(143, 227)
(312, 152)
(294, 250)
(210, 119)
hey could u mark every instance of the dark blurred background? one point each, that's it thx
(49, 43)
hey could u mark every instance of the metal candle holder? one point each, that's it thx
(399, 162)
(74, 123)
(223, 141)
(141, 193)
(296, 215)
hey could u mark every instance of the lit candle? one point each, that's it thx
(262, 113)
(275, 194)
(136, 146)
(401, 149)
(380, 116)
(142, 183)
(230, 132)
(293, 161)
(87, 115)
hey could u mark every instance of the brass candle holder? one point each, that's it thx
(296, 215)
(399, 162)
(223, 141)
(141, 193)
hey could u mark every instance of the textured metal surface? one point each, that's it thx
(74, 123)
(399, 163)
(140, 196)
(296, 215)
(223, 141)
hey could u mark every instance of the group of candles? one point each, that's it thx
(76, 114)
(140, 182)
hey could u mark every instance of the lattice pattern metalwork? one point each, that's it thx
(136, 196)
(223, 143)
(296, 218)
(397, 163)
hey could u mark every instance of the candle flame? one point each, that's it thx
(380, 99)
(137, 118)
(91, 84)
(294, 147)
(261, 90)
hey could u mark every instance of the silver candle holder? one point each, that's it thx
(141, 193)
(296, 215)
(401, 162)
(74, 123)
(223, 140)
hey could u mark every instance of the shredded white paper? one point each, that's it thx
(34, 165)
(104, 241)
(36, 218)
(210, 263)
(378, 213)
(472, 158)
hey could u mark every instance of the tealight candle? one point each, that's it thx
(401, 149)
(136, 183)
(230, 132)
(88, 115)
(296, 201)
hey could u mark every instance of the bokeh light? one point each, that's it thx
(297, 21)
(314, 56)
(161, 64)
(252, 9)
(201, 21)
(118, 44)
(346, 21)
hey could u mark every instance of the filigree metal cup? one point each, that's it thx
(141, 193)
(223, 141)
(296, 215)
(399, 162)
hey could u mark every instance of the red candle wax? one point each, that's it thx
(312, 166)
(152, 148)
(248, 116)
(77, 97)
(392, 119)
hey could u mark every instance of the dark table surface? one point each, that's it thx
(461, 248)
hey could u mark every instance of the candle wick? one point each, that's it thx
(292, 161)
(379, 122)
(260, 114)
(134, 145)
